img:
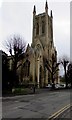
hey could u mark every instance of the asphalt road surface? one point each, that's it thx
(42, 105)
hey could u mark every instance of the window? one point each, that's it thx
(38, 46)
(43, 27)
(26, 68)
(37, 29)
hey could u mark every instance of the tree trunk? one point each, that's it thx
(53, 85)
(65, 77)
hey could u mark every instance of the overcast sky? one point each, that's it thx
(16, 18)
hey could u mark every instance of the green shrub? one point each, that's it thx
(22, 91)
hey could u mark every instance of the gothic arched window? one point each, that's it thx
(43, 27)
(26, 68)
(37, 29)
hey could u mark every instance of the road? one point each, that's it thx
(41, 105)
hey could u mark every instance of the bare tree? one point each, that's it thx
(69, 73)
(64, 61)
(52, 67)
(16, 47)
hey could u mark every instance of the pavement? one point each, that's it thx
(37, 91)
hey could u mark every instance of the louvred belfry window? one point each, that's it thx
(43, 27)
(37, 29)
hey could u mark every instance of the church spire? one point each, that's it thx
(34, 10)
(51, 14)
(46, 7)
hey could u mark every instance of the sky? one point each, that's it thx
(16, 18)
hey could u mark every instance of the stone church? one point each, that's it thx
(33, 69)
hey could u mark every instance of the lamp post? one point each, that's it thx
(38, 71)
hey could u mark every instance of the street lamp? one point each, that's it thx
(38, 60)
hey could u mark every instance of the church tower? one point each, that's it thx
(42, 28)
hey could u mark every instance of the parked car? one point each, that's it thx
(63, 85)
(69, 85)
(57, 86)
(49, 86)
